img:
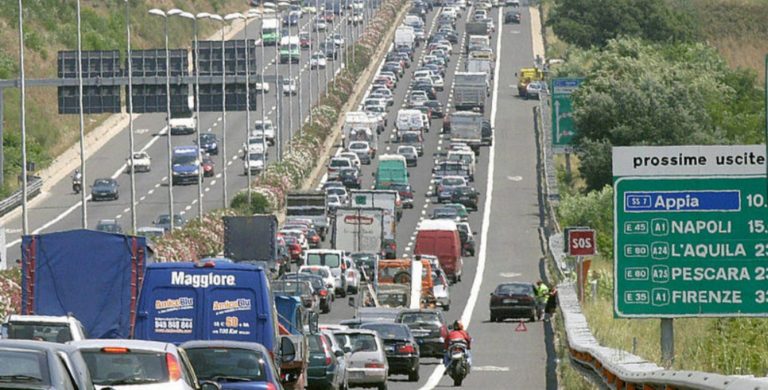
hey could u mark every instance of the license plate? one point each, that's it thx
(510, 301)
(464, 197)
(356, 374)
(390, 349)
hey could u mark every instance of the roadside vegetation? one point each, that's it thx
(50, 26)
(697, 83)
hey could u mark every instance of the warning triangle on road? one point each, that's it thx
(521, 327)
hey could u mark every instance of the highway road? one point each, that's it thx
(506, 224)
(59, 209)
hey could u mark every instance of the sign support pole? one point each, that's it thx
(766, 114)
(579, 278)
(667, 342)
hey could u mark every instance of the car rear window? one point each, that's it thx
(28, 367)
(508, 289)
(389, 331)
(363, 342)
(330, 259)
(408, 318)
(114, 369)
(315, 271)
(224, 363)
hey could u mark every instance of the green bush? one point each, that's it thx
(259, 204)
(594, 209)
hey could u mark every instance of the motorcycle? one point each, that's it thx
(458, 365)
(77, 184)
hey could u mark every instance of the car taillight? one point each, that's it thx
(323, 293)
(409, 194)
(174, 370)
(392, 245)
(327, 351)
(374, 365)
(315, 238)
(407, 348)
(270, 386)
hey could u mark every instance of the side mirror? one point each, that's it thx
(351, 301)
(314, 320)
(287, 350)
(347, 349)
(491, 294)
(450, 327)
(338, 353)
(209, 385)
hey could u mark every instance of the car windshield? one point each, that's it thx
(108, 227)
(340, 163)
(358, 145)
(184, 160)
(219, 364)
(208, 137)
(255, 156)
(445, 212)
(511, 289)
(124, 367)
(262, 126)
(165, 219)
(138, 156)
(389, 331)
(316, 281)
(400, 187)
(28, 367)
(102, 182)
(410, 137)
(332, 260)
(336, 191)
(405, 150)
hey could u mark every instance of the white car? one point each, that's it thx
(338, 39)
(440, 289)
(341, 192)
(352, 156)
(268, 129)
(367, 366)
(512, 3)
(383, 93)
(353, 276)
(141, 162)
(259, 87)
(333, 202)
(320, 270)
(320, 24)
(438, 83)
(336, 164)
(138, 364)
(254, 145)
(289, 87)
(318, 61)
(363, 151)
(254, 162)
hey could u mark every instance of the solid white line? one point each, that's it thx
(466, 315)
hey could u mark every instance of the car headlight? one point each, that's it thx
(176, 173)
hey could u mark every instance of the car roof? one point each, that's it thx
(225, 344)
(34, 345)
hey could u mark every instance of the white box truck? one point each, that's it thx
(470, 91)
(358, 229)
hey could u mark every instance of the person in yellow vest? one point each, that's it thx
(542, 295)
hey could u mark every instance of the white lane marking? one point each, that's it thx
(491, 368)
(182, 212)
(127, 209)
(142, 198)
(509, 274)
(150, 192)
(218, 175)
(515, 178)
(194, 201)
(118, 216)
(213, 182)
(466, 315)
(189, 207)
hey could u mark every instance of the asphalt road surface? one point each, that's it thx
(59, 209)
(506, 224)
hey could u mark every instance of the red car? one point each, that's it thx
(304, 40)
(294, 248)
(208, 167)
(329, 16)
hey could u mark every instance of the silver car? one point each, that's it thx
(28, 364)
(139, 365)
(367, 364)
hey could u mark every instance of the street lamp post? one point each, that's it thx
(162, 14)
(263, 101)
(129, 99)
(311, 54)
(246, 18)
(291, 83)
(194, 18)
(224, 157)
(278, 108)
(84, 214)
(23, 123)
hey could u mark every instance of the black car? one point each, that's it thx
(323, 295)
(512, 17)
(513, 300)
(209, 143)
(436, 107)
(426, 87)
(428, 328)
(109, 226)
(466, 196)
(350, 177)
(400, 346)
(105, 189)
(487, 133)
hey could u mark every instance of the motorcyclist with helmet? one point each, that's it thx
(457, 334)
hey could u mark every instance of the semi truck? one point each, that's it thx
(311, 205)
(470, 91)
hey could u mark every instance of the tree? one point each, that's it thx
(646, 94)
(588, 23)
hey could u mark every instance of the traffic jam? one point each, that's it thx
(360, 284)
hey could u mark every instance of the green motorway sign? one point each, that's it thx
(690, 231)
(563, 128)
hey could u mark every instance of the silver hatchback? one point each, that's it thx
(367, 365)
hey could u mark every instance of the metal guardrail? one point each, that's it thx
(611, 368)
(34, 186)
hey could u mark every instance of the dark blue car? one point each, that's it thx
(105, 189)
(209, 143)
(235, 365)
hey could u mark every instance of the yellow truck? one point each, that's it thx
(525, 76)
